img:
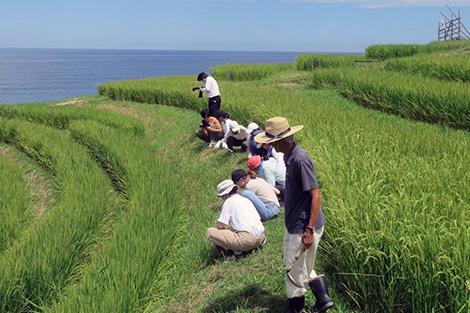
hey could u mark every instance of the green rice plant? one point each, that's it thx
(443, 46)
(383, 52)
(145, 91)
(240, 72)
(309, 62)
(48, 256)
(15, 203)
(415, 97)
(396, 192)
(61, 116)
(121, 277)
(451, 67)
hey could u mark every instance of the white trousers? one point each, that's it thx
(302, 270)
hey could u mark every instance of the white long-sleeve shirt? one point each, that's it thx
(226, 125)
(211, 87)
(241, 135)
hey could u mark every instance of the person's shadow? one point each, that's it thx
(252, 297)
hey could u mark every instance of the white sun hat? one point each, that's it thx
(225, 187)
(251, 127)
(234, 127)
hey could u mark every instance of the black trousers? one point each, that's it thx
(233, 142)
(214, 105)
(209, 136)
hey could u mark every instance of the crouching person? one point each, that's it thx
(210, 129)
(261, 194)
(247, 231)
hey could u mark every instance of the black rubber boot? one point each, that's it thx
(320, 291)
(296, 305)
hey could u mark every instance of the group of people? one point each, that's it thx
(278, 171)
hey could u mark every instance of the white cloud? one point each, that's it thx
(392, 3)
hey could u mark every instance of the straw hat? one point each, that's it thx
(225, 187)
(277, 128)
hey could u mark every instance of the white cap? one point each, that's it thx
(234, 127)
(251, 127)
(225, 187)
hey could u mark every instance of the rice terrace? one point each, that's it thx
(105, 200)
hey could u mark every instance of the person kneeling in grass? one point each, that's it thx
(272, 170)
(237, 136)
(209, 129)
(261, 194)
(238, 212)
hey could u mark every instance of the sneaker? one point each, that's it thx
(211, 144)
(237, 255)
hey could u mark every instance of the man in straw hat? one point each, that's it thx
(303, 217)
(247, 231)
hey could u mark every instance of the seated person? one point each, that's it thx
(237, 136)
(247, 231)
(210, 129)
(262, 194)
(273, 171)
(255, 148)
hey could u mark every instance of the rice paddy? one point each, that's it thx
(135, 193)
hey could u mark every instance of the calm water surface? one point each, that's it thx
(41, 75)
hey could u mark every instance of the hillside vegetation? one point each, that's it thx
(134, 190)
(390, 222)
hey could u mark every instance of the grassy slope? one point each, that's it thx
(15, 202)
(196, 283)
(47, 256)
(388, 183)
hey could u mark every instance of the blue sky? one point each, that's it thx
(275, 25)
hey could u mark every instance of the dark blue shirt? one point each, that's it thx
(300, 178)
(253, 146)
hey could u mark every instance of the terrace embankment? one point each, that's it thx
(374, 168)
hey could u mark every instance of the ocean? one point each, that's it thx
(46, 75)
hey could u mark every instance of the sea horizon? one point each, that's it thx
(187, 50)
(38, 75)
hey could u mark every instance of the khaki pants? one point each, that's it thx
(302, 270)
(236, 241)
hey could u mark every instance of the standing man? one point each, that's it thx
(210, 86)
(303, 217)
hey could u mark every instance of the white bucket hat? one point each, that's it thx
(277, 128)
(225, 187)
(251, 127)
(234, 127)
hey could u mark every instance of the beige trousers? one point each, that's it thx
(237, 241)
(302, 270)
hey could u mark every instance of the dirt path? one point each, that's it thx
(40, 193)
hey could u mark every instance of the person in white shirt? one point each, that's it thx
(247, 231)
(224, 120)
(211, 88)
(237, 136)
(261, 194)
